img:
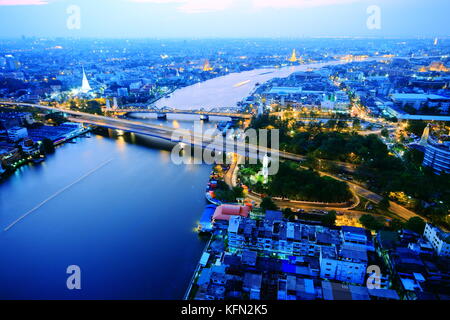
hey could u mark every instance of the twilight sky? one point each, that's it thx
(223, 18)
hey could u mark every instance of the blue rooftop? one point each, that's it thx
(208, 213)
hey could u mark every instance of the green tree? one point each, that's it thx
(384, 204)
(396, 224)
(331, 124)
(268, 204)
(369, 222)
(414, 157)
(225, 195)
(329, 219)
(341, 124)
(47, 146)
(222, 185)
(94, 107)
(311, 161)
(287, 212)
(357, 124)
(56, 117)
(238, 192)
(416, 127)
(415, 224)
(72, 105)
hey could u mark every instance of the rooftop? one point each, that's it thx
(226, 211)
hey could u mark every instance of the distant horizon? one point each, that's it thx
(43, 37)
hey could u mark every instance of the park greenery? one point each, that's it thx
(225, 194)
(268, 204)
(314, 139)
(328, 219)
(370, 222)
(426, 193)
(294, 183)
(416, 127)
(415, 224)
(88, 106)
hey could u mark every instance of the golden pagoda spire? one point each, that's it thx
(207, 66)
(293, 57)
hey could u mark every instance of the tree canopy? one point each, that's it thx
(292, 182)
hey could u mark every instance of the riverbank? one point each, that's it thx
(210, 94)
(120, 222)
(39, 156)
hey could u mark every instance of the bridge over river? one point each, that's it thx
(162, 113)
(184, 136)
(205, 141)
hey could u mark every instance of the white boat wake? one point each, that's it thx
(56, 194)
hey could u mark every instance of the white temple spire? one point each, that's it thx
(85, 87)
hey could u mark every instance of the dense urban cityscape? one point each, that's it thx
(358, 207)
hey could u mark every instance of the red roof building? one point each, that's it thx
(225, 211)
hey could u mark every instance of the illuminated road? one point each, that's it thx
(166, 133)
(208, 142)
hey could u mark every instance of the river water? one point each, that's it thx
(129, 225)
(227, 91)
(116, 206)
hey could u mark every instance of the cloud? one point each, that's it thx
(22, 2)
(297, 4)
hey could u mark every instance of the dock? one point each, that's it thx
(196, 272)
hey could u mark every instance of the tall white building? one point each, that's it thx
(439, 239)
(349, 265)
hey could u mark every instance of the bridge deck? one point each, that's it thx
(194, 112)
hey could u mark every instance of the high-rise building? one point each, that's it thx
(11, 63)
(437, 154)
